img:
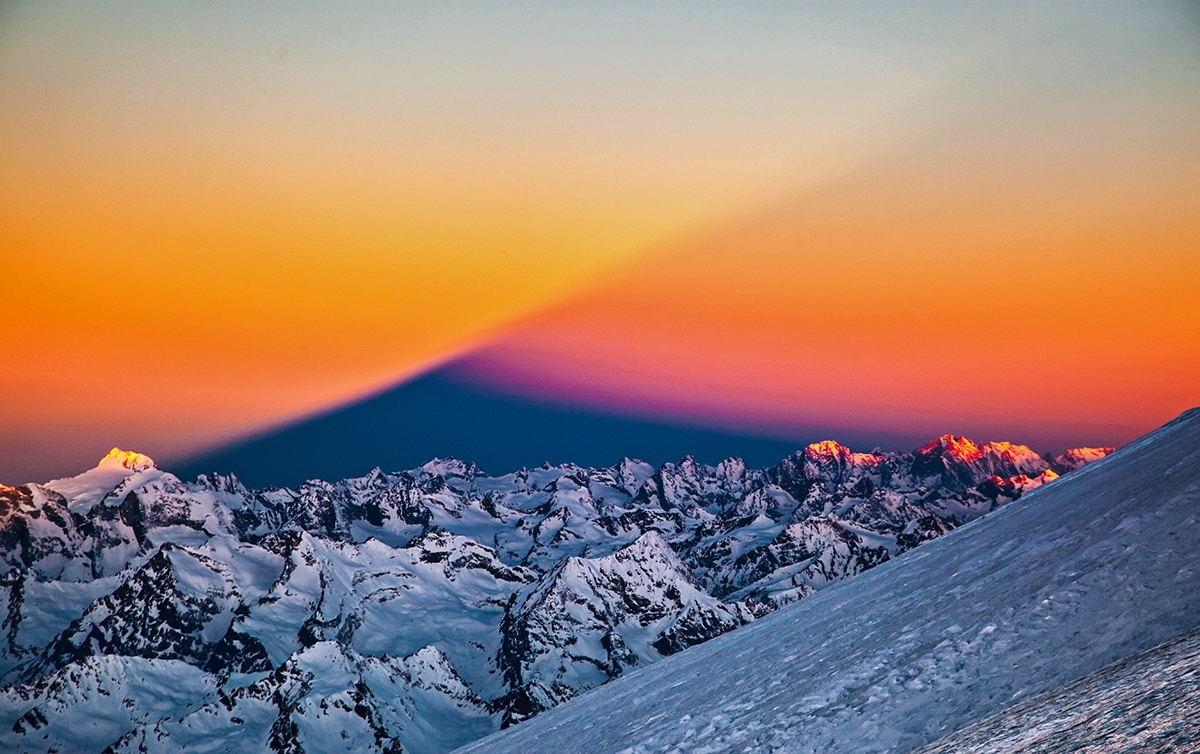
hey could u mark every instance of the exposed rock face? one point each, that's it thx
(589, 620)
(176, 606)
(419, 610)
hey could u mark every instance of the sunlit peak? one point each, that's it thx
(1076, 457)
(833, 449)
(957, 445)
(125, 459)
(1011, 451)
(826, 448)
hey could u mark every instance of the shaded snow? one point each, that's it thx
(89, 704)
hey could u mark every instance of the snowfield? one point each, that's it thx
(1070, 578)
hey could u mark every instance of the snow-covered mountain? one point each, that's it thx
(421, 610)
(1074, 576)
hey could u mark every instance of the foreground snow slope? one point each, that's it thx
(1071, 577)
(1145, 704)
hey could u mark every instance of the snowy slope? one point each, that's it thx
(1097, 566)
(1145, 704)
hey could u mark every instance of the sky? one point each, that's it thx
(888, 221)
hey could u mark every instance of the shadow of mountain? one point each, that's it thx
(437, 415)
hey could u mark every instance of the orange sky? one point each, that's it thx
(1026, 266)
(1062, 310)
(219, 217)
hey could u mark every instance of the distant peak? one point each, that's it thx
(449, 467)
(1088, 453)
(956, 445)
(831, 449)
(1076, 458)
(125, 459)
(826, 448)
(1011, 451)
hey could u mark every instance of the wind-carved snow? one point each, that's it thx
(425, 609)
(1148, 703)
(1068, 579)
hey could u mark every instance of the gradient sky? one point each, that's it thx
(905, 219)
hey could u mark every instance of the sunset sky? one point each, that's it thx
(897, 219)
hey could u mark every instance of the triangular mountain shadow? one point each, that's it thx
(440, 415)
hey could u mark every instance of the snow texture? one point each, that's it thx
(1145, 704)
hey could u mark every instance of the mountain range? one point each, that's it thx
(422, 610)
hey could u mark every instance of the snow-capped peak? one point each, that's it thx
(448, 467)
(125, 459)
(117, 471)
(958, 446)
(1075, 458)
(826, 448)
(831, 450)
(650, 547)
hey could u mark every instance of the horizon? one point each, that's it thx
(192, 465)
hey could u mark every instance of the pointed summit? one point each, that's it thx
(86, 490)
(125, 459)
(958, 446)
(826, 448)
